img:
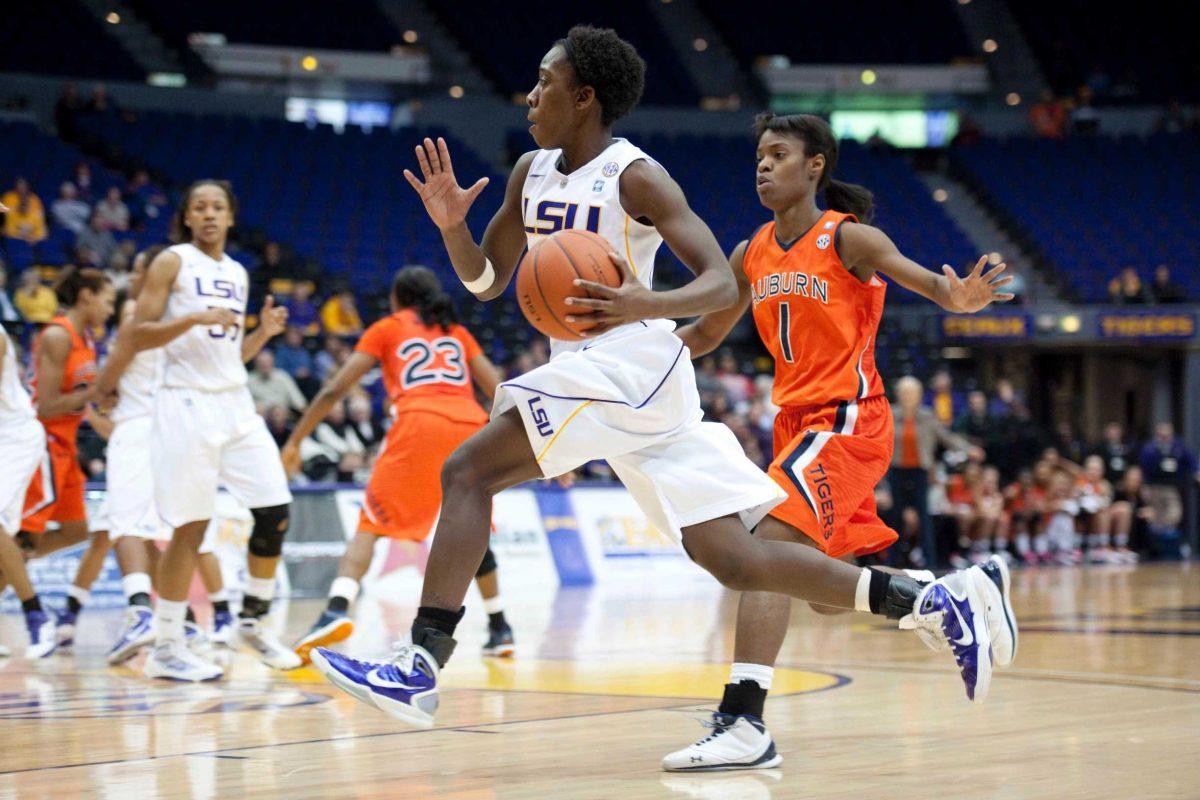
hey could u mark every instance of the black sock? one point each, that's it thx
(139, 599)
(190, 616)
(220, 606)
(743, 697)
(338, 605)
(73, 605)
(891, 595)
(254, 607)
(32, 604)
(497, 621)
(878, 589)
(437, 618)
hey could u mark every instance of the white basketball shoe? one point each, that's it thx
(254, 633)
(175, 661)
(736, 742)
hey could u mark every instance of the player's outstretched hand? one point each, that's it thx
(446, 202)
(610, 307)
(273, 318)
(290, 455)
(979, 289)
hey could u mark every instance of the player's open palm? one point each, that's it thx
(979, 289)
(446, 202)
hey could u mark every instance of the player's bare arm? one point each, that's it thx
(865, 249)
(649, 194)
(150, 330)
(486, 375)
(337, 387)
(119, 357)
(447, 204)
(706, 333)
(272, 321)
(53, 349)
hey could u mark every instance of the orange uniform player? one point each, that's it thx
(431, 366)
(833, 434)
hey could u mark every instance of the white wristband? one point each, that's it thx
(484, 281)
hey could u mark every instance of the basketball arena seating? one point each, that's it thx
(46, 162)
(345, 25)
(1075, 198)
(507, 46)
(1156, 59)
(36, 37)
(840, 33)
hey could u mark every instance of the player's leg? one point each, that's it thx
(171, 657)
(496, 457)
(334, 625)
(209, 567)
(136, 584)
(500, 641)
(77, 593)
(43, 638)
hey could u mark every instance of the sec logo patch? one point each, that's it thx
(823, 241)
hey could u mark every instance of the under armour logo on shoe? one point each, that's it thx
(697, 758)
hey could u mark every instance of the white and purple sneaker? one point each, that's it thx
(43, 634)
(404, 687)
(954, 609)
(137, 633)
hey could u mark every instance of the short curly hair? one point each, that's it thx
(610, 65)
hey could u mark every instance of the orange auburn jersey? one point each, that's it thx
(78, 372)
(425, 368)
(815, 317)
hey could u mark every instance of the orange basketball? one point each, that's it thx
(546, 278)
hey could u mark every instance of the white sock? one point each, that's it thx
(262, 588)
(759, 673)
(492, 605)
(135, 583)
(79, 593)
(1121, 540)
(344, 587)
(862, 593)
(1022, 543)
(219, 596)
(168, 620)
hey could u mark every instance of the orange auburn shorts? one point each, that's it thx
(404, 493)
(829, 460)
(56, 492)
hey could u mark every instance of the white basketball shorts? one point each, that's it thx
(22, 447)
(206, 439)
(128, 508)
(631, 399)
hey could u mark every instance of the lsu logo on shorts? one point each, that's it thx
(539, 416)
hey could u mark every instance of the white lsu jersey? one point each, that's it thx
(589, 199)
(206, 357)
(15, 402)
(139, 382)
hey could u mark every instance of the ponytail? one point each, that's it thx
(73, 280)
(848, 198)
(418, 288)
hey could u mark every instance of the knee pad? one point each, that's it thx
(488, 565)
(270, 526)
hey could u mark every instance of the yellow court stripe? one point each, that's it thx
(628, 249)
(567, 422)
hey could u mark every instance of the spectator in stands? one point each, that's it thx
(82, 179)
(1127, 288)
(293, 357)
(1085, 119)
(148, 201)
(339, 315)
(738, 388)
(1099, 81)
(1172, 119)
(36, 301)
(66, 112)
(1130, 512)
(301, 311)
(100, 102)
(68, 210)
(327, 360)
(278, 423)
(271, 386)
(369, 432)
(9, 315)
(1068, 443)
(945, 402)
(1049, 117)
(338, 441)
(112, 212)
(976, 424)
(1116, 452)
(1006, 399)
(1164, 289)
(1168, 466)
(95, 244)
(918, 432)
(26, 217)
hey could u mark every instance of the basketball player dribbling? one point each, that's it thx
(628, 394)
(810, 276)
(205, 427)
(429, 362)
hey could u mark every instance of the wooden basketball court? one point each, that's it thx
(1103, 702)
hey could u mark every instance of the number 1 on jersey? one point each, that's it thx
(785, 332)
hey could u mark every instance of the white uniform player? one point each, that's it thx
(22, 441)
(628, 395)
(205, 428)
